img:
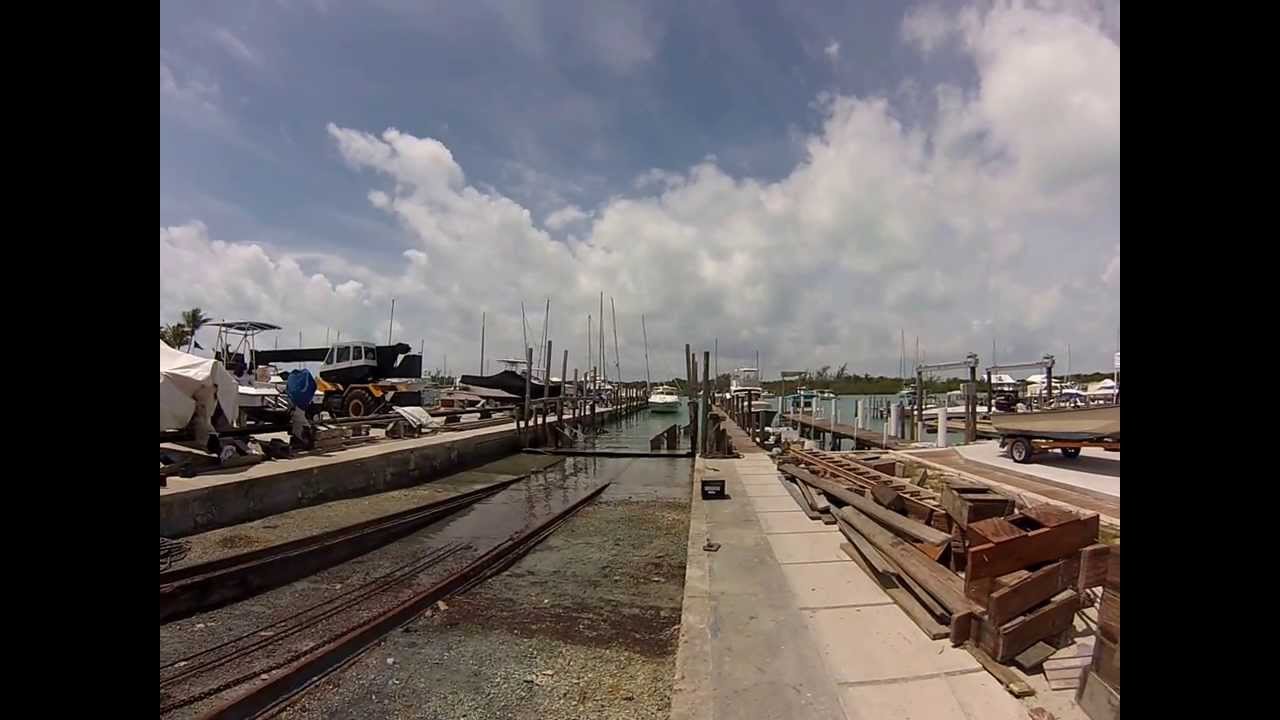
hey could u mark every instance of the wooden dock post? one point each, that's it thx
(691, 367)
(564, 371)
(528, 376)
(701, 446)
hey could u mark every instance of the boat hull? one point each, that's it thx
(1074, 424)
(664, 406)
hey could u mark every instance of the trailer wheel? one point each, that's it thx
(1071, 452)
(357, 403)
(1020, 450)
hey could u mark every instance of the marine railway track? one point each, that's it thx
(260, 672)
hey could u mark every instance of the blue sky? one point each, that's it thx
(612, 126)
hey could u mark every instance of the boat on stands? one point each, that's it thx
(1087, 423)
(664, 400)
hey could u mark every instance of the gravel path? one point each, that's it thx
(586, 625)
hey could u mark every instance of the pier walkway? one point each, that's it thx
(778, 622)
(861, 438)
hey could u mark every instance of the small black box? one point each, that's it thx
(713, 490)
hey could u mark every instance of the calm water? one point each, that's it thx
(846, 410)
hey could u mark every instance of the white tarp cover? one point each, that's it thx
(188, 381)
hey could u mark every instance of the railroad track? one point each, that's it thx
(260, 672)
(204, 586)
(205, 674)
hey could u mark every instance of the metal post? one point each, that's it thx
(971, 407)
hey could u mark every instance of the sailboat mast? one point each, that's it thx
(481, 343)
(617, 360)
(604, 366)
(648, 382)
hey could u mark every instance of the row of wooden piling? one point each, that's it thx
(542, 420)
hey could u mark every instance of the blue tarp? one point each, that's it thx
(301, 387)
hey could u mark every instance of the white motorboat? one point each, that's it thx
(664, 400)
(743, 381)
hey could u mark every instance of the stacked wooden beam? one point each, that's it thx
(864, 476)
(1099, 693)
(1024, 571)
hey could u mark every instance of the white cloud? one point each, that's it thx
(192, 96)
(234, 46)
(832, 51)
(1111, 276)
(565, 216)
(993, 208)
(926, 27)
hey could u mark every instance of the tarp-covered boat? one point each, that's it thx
(510, 382)
(1093, 423)
(191, 384)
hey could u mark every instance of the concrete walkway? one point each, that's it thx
(779, 623)
(1096, 470)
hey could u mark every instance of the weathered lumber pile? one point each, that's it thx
(1024, 571)
(1001, 579)
(1099, 692)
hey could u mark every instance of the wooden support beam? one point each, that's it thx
(967, 503)
(1003, 642)
(1007, 678)
(1010, 602)
(1021, 551)
(905, 600)
(901, 525)
(938, 581)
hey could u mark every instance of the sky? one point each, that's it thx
(810, 181)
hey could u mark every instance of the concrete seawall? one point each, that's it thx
(218, 499)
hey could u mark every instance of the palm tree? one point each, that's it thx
(194, 319)
(175, 335)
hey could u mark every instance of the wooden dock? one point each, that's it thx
(811, 427)
(985, 429)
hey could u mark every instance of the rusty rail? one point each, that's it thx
(324, 659)
(196, 588)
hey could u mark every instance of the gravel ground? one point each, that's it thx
(585, 625)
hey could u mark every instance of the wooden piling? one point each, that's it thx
(701, 446)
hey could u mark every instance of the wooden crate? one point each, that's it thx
(1003, 642)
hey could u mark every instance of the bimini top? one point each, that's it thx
(245, 326)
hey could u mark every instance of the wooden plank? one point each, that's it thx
(1106, 661)
(888, 497)
(992, 530)
(1037, 546)
(936, 580)
(1050, 515)
(968, 503)
(1068, 663)
(979, 591)
(1109, 615)
(800, 501)
(1093, 566)
(893, 574)
(905, 600)
(1033, 657)
(1097, 699)
(1007, 678)
(821, 503)
(1018, 597)
(900, 525)
(1113, 569)
(809, 501)
(1004, 642)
